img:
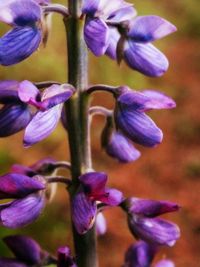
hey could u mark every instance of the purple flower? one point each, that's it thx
(64, 258)
(144, 225)
(26, 35)
(99, 13)
(29, 199)
(84, 204)
(140, 254)
(131, 119)
(117, 145)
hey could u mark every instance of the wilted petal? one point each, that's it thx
(28, 91)
(6, 262)
(20, 12)
(101, 225)
(165, 263)
(24, 248)
(158, 100)
(145, 58)
(42, 125)
(64, 258)
(14, 185)
(18, 44)
(155, 231)
(83, 212)
(150, 208)
(13, 118)
(94, 183)
(140, 254)
(138, 127)
(149, 28)
(96, 34)
(22, 212)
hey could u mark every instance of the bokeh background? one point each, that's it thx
(171, 171)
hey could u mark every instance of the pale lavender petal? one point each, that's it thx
(114, 37)
(90, 6)
(101, 225)
(13, 118)
(155, 231)
(20, 12)
(125, 13)
(28, 91)
(145, 58)
(109, 8)
(13, 185)
(6, 262)
(158, 100)
(150, 208)
(22, 212)
(24, 248)
(96, 34)
(42, 125)
(149, 28)
(138, 127)
(165, 263)
(18, 44)
(140, 254)
(83, 212)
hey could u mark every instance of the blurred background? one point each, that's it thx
(170, 171)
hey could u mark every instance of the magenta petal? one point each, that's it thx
(17, 185)
(83, 212)
(145, 58)
(24, 248)
(150, 208)
(96, 34)
(165, 263)
(21, 169)
(150, 28)
(27, 91)
(22, 212)
(94, 183)
(42, 125)
(6, 262)
(112, 197)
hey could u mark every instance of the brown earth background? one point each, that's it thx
(169, 172)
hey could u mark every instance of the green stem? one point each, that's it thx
(77, 112)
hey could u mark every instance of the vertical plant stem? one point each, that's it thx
(78, 130)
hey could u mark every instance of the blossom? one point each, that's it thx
(99, 14)
(84, 204)
(29, 199)
(131, 119)
(117, 145)
(144, 225)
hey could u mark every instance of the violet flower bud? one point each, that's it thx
(117, 145)
(143, 225)
(64, 258)
(84, 204)
(131, 119)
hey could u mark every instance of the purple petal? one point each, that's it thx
(21, 169)
(17, 185)
(90, 6)
(158, 100)
(64, 258)
(165, 263)
(22, 212)
(42, 125)
(114, 37)
(150, 208)
(55, 95)
(96, 34)
(13, 118)
(94, 183)
(111, 197)
(108, 9)
(83, 212)
(101, 225)
(24, 248)
(145, 58)
(9, 85)
(18, 44)
(155, 231)
(140, 254)
(150, 28)
(118, 146)
(134, 100)
(28, 91)
(125, 13)
(138, 127)
(6, 262)
(19, 13)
